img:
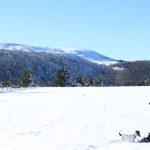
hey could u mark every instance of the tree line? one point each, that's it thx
(23, 69)
(62, 79)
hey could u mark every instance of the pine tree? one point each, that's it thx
(90, 82)
(97, 82)
(25, 78)
(62, 77)
(94, 82)
(7, 81)
(80, 80)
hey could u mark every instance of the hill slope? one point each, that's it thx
(45, 65)
(70, 52)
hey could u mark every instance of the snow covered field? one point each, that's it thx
(73, 118)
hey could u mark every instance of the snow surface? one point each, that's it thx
(73, 118)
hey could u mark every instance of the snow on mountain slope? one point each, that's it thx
(83, 53)
(73, 118)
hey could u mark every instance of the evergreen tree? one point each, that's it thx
(94, 82)
(62, 77)
(7, 81)
(90, 82)
(80, 80)
(25, 78)
(97, 82)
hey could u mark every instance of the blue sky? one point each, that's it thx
(116, 28)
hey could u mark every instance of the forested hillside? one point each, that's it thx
(133, 73)
(44, 66)
(22, 68)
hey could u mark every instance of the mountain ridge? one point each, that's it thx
(87, 54)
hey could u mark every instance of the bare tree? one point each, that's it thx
(121, 77)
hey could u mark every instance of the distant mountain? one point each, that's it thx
(89, 55)
(45, 62)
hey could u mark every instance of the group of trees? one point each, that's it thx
(24, 80)
(133, 73)
(20, 68)
(81, 81)
(44, 69)
(62, 79)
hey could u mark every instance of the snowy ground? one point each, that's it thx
(73, 118)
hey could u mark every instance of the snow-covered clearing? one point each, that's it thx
(73, 118)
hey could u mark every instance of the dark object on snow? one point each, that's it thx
(146, 139)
